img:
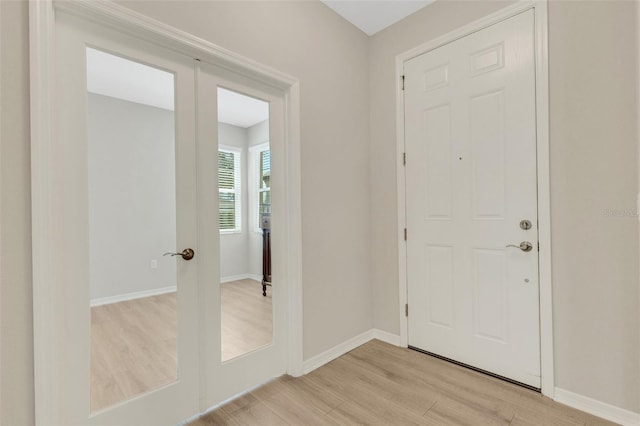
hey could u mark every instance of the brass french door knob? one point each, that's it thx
(187, 254)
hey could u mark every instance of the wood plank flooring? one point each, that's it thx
(380, 384)
(246, 318)
(133, 343)
(133, 348)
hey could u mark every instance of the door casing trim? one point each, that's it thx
(544, 194)
(42, 80)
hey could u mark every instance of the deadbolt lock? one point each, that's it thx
(525, 224)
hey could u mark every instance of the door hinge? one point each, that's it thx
(402, 82)
(404, 158)
(406, 309)
(405, 234)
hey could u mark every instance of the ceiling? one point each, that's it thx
(372, 16)
(117, 77)
(240, 110)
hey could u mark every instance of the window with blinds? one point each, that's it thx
(259, 168)
(229, 187)
(264, 188)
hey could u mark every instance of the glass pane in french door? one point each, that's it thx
(244, 171)
(132, 221)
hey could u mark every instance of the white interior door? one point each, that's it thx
(470, 130)
(136, 335)
(125, 194)
(225, 375)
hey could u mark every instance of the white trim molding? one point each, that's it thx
(544, 192)
(385, 336)
(0, 206)
(597, 408)
(132, 296)
(337, 351)
(349, 345)
(239, 277)
(41, 31)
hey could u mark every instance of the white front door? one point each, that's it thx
(472, 246)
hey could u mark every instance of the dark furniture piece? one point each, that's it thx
(265, 221)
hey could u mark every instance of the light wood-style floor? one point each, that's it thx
(133, 343)
(246, 318)
(133, 348)
(380, 384)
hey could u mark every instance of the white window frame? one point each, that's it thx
(237, 177)
(252, 175)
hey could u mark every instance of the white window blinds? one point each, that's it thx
(259, 174)
(264, 188)
(229, 186)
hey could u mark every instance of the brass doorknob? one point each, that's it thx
(524, 246)
(187, 254)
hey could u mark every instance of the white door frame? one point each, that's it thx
(0, 208)
(42, 59)
(544, 194)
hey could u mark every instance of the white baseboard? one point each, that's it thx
(597, 408)
(241, 277)
(131, 296)
(329, 355)
(385, 336)
(344, 347)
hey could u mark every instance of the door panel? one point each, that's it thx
(262, 362)
(132, 204)
(125, 195)
(440, 301)
(487, 155)
(438, 197)
(470, 180)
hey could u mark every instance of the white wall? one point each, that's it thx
(594, 145)
(593, 80)
(16, 388)
(132, 197)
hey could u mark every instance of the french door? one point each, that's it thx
(136, 336)
(227, 374)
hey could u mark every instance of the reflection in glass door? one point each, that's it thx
(244, 171)
(132, 222)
